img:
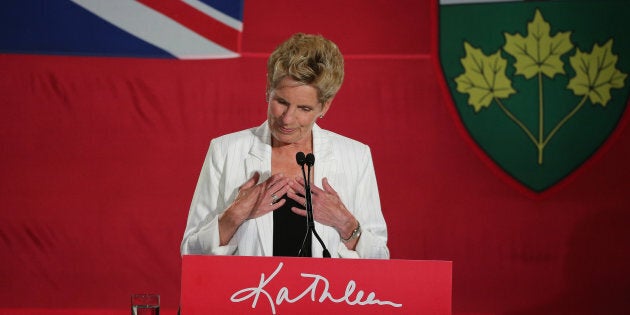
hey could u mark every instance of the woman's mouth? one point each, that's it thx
(286, 130)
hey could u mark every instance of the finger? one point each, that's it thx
(276, 192)
(300, 180)
(315, 190)
(297, 198)
(282, 191)
(277, 205)
(299, 211)
(297, 187)
(276, 182)
(327, 186)
(277, 196)
(275, 178)
(251, 182)
(266, 208)
(292, 183)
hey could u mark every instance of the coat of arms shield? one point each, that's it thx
(540, 86)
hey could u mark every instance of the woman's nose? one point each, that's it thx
(288, 115)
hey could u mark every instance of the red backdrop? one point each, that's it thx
(101, 156)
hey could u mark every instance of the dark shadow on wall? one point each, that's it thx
(597, 268)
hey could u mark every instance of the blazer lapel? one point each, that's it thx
(324, 155)
(259, 160)
(325, 166)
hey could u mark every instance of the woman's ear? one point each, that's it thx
(325, 108)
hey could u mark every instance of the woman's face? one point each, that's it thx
(293, 109)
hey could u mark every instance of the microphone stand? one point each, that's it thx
(309, 160)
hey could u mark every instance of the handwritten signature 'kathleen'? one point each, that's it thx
(350, 297)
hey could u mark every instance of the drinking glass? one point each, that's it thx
(145, 304)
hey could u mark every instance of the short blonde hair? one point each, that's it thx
(308, 59)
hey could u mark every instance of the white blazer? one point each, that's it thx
(232, 159)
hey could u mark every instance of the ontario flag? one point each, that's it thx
(182, 29)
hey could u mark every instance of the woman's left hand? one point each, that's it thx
(328, 209)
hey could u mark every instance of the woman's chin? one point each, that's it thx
(282, 141)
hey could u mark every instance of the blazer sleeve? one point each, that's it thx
(201, 236)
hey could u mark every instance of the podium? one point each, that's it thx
(288, 285)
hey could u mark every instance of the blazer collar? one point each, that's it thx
(261, 146)
(324, 154)
(322, 147)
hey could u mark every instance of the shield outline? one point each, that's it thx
(600, 151)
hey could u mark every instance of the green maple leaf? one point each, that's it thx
(538, 52)
(595, 73)
(484, 78)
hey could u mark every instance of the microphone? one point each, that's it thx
(301, 159)
(309, 160)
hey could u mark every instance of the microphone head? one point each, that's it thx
(300, 158)
(310, 159)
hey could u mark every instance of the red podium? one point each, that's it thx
(283, 285)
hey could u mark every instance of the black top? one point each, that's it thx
(289, 230)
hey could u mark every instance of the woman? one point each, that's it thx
(249, 198)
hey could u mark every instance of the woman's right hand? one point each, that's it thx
(253, 200)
